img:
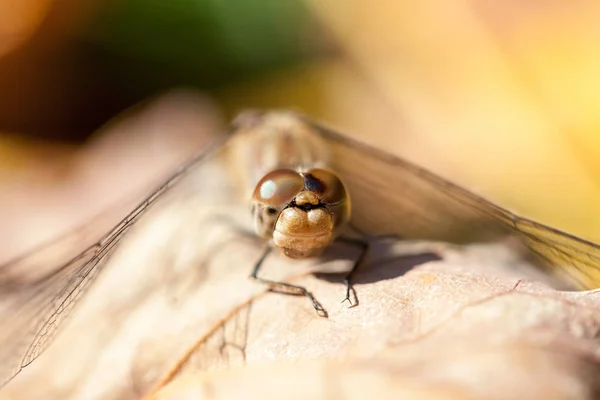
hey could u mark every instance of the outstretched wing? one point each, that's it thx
(392, 195)
(38, 291)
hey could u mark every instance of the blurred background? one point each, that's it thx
(500, 97)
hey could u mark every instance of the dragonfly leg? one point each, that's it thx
(286, 288)
(357, 263)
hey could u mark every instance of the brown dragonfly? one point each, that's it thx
(304, 185)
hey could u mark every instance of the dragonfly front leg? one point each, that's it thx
(357, 263)
(285, 288)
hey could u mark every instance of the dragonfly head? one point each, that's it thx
(301, 211)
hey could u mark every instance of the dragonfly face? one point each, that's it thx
(301, 211)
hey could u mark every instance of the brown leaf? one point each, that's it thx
(174, 313)
(464, 325)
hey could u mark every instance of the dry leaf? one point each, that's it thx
(174, 313)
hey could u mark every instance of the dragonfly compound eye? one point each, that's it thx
(271, 195)
(278, 188)
(331, 192)
(326, 185)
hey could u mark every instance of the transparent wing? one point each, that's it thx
(38, 291)
(391, 195)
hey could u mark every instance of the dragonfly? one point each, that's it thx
(304, 186)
